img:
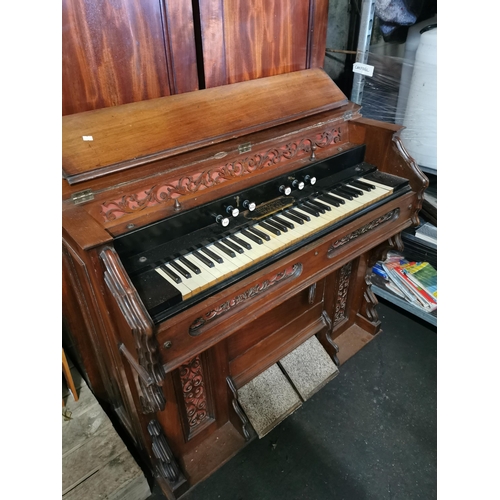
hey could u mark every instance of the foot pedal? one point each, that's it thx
(268, 399)
(309, 367)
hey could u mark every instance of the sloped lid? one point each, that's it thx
(96, 143)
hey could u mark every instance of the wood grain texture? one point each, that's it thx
(248, 39)
(115, 52)
(137, 133)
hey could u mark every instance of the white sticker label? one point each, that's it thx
(87, 138)
(363, 69)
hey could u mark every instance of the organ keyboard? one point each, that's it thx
(202, 252)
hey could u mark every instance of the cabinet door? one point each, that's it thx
(247, 39)
(123, 51)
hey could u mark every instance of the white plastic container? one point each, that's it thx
(420, 119)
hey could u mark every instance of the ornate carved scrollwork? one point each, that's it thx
(329, 323)
(194, 393)
(152, 374)
(342, 292)
(371, 301)
(393, 214)
(424, 182)
(170, 191)
(289, 272)
(166, 465)
(237, 408)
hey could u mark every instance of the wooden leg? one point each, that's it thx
(68, 377)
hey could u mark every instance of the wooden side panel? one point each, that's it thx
(118, 52)
(248, 39)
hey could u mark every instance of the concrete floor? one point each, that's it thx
(371, 433)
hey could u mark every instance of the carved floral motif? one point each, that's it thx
(165, 192)
(362, 230)
(227, 306)
(193, 390)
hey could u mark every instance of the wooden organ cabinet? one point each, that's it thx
(223, 203)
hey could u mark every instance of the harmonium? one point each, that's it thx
(217, 252)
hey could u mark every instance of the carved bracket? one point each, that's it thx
(237, 408)
(151, 373)
(424, 182)
(289, 272)
(166, 465)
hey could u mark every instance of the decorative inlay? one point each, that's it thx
(289, 272)
(165, 192)
(393, 214)
(193, 390)
(166, 465)
(340, 307)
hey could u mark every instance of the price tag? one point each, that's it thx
(363, 69)
(87, 138)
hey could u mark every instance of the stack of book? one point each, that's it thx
(414, 281)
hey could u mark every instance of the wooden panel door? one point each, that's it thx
(123, 51)
(247, 39)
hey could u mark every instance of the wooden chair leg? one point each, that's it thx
(68, 377)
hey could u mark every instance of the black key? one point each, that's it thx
(296, 219)
(309, 210)
(224, 249)
(171, 273)
(312, 206)
(362, 185)
(330, 196)
(354, 191)
(233, 246)
(260, 234)
(180, 269)
(251, 236)
(203, 259)
(299, 215)
(270, 228)
(345, 193)
(283, 222)
(321, 206)
(338, 192)
(212, 255)
(190, 265)
(277, 225)
(336, 202)
(244, 244)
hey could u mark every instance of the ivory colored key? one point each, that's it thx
(377, 184)
(231, 265)
(205, 269)
(183, 289)
(193, 285)
(370, 197)
(195, 281)
(257, 252)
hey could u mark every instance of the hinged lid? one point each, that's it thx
(96, 143)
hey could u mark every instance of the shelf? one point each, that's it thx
(403, 304)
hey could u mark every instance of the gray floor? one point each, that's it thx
(369, 434)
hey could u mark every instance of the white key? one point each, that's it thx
(257, 252)
(196, 282)
(377, 184)
(183, 289)
(216, 273)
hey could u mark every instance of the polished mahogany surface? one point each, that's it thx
(194, 109)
